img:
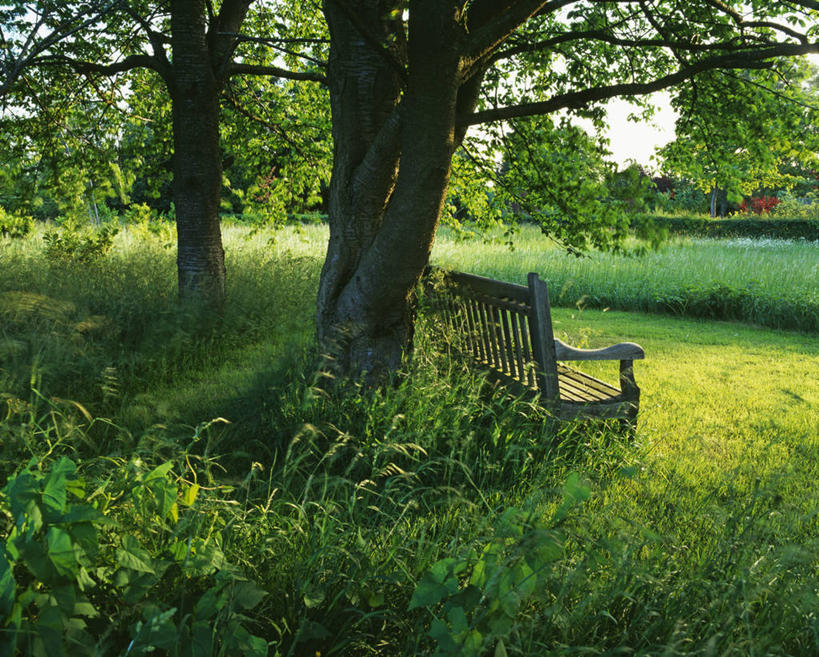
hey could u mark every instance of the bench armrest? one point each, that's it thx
(622, 351)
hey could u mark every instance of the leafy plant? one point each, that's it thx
(65, 576)
(71, 244)
(14, 225)
(474, 599)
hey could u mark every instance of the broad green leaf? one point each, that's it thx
(133, 556)
(428, 592)
(66, 598)
(8, 588)
(313, 598)
(246, 594)
(189, 494)
(202, 639)
(211, 602)
(158, 472)
(61, 551)
(439, 631)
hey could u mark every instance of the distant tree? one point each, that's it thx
(739, 132)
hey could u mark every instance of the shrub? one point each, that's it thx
(692, 226)
(14, 225)
(70, 244)
(794, 207)
(758, 205)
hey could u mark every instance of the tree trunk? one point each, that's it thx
(197, 161)
(390, 174)
(714, 192)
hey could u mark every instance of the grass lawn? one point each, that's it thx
(772, 283)
(243, 507)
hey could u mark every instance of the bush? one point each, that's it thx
(14, 225)
(692, 226)
(795, 207)
(70, 244)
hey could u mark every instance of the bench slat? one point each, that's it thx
(507, 328)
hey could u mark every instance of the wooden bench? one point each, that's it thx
(507, 329)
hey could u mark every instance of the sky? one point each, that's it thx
(637, 141)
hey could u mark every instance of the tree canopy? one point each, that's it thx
(746, 130)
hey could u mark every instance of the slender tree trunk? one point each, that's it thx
(390, 175)
(714, 192)
(197, 160)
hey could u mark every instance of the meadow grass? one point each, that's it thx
(699, 537)
(772, 283)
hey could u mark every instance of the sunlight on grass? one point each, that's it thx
(773, 282)
(699, 537)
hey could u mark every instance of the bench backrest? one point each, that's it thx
(507, 327)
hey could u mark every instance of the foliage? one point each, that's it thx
(14, 225)
(475, 598)
(341, 505)
(555, 175)
(790, 206)
(70, 565)
(742, 132)
(759, 205)
(68, 243)
(697, 226)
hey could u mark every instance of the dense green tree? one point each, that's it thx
(741, 131)
(195, 48)
(408, 79)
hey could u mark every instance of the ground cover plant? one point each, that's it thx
(176, 483)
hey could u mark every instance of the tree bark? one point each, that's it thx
(197, 183)
(391, 169)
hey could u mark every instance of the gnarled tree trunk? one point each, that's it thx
(392, 160)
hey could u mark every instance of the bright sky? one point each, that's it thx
(637, 141)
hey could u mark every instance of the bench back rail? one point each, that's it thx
(507, 328)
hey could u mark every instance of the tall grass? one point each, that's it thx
(772, 283)
(245, 509)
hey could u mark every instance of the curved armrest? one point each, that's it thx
(622, 351)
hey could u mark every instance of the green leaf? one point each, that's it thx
(131, 555)
(165, 493)
(313, 598)
(61, 551)
(8, 588)
(428, 592)
(158, 630)
(158, 472)
(49, 630)
(439, 631)
(85, 608)
(500, 649)
(189, 494)
(246, 595)
(202, 639)
(23, 493)
(66, 598)
(209, 604)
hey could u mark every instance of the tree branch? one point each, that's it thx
(374, 43)
(129, 63)
(274, 71)
(494, 28)
(62, 31)
(578, 99)
(231, 15)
